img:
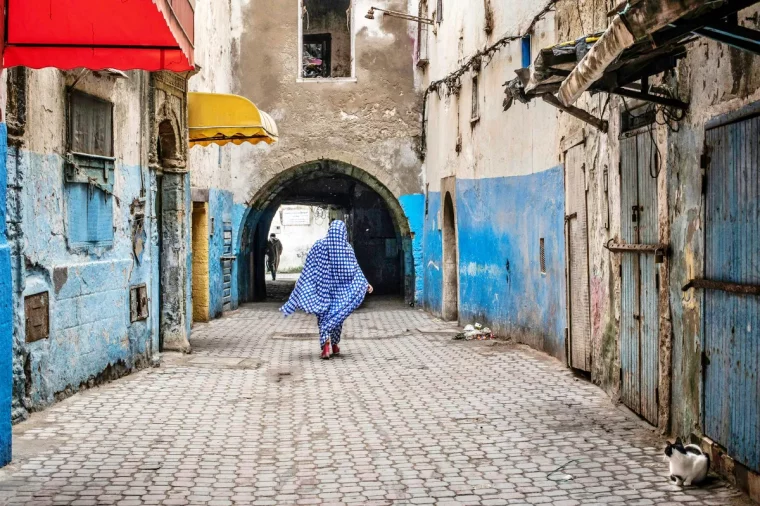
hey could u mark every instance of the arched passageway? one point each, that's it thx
(378, 228)
(450, 262)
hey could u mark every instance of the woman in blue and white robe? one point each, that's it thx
(331, 286)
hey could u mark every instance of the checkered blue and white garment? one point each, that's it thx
(331, 285)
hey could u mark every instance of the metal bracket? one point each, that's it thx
(708, 284)
(649, 97)
(657, 249)
(599, 124)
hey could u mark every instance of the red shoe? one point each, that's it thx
(326, 351)
(335, 349)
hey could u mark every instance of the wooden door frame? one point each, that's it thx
(572, 144)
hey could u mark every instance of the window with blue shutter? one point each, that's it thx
(89, 172)
(90, 215)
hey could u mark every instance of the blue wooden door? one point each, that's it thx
(639, 317)
(731, 411)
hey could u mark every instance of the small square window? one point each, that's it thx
(326, 39)
(138, 303)
(527, 57)
(317, 51)
(90, 215)
(89, 173)
(542, 253)
(37, 317)
(475, 114)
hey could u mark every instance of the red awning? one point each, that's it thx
(97, 34)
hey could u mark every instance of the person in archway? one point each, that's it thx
(331, 286)
(274, 251)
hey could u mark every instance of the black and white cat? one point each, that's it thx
(688, 464)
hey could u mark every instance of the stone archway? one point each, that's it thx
(284, 188)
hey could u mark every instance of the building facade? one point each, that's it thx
(615, 230)
(342, 91)
(621, 243)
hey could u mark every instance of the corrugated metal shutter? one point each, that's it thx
(579, 301)
(639, 325)
(731, 414)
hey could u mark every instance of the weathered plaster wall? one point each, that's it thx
(371, 122)
(500, 223)
(509, 189)
(414, 208)
(520, 141)
(91, 337)
(224, 215)
(432, 255)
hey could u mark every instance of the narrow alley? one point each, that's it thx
(407, 416)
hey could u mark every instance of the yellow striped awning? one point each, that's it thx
(216, 118)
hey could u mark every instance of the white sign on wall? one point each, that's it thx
(296, 217)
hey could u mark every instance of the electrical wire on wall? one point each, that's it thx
(662, 116)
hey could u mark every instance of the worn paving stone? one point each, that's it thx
(405, 416)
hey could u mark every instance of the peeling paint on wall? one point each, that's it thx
(414, 208)
(499, 223)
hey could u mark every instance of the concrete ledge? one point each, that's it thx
(199, 194)
(739, 475)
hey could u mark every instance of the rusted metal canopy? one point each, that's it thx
(635, 22)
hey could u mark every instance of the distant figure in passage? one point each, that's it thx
(274, 251)
(331, 287)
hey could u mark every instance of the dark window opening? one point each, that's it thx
(317, 50)
(475, 113)
(542, 254)
(439, 12)
(326, 44)
(138, 303)
(91, 127)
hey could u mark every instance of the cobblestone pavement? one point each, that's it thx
(405, 416)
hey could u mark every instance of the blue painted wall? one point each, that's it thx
(432, 256)
(6, 313)
(500, 222)
(90, 329)
(414, 208)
